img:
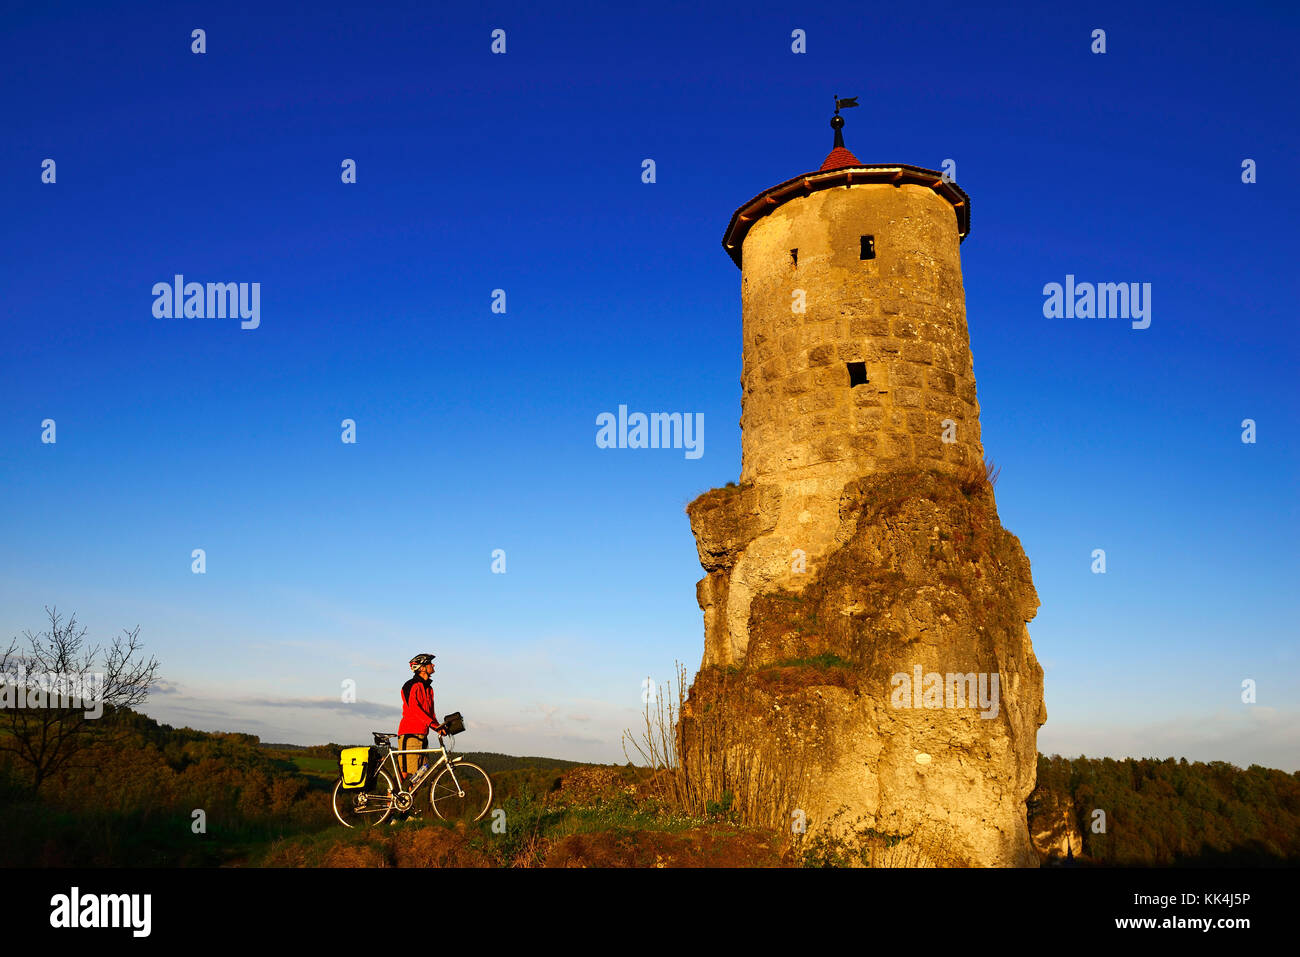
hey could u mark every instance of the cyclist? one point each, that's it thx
(417, 714)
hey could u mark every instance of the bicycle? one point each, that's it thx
(461, 791)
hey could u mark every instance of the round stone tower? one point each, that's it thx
(856, 355)
(856, 360)
(861, 555)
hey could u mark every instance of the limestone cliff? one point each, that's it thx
(1054, 828)
(892, 676)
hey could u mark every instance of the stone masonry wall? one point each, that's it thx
(804, 431)
(903, 314)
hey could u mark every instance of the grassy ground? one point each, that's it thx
(536, 830)
(558, 814)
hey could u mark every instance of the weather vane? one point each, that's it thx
(837, 121)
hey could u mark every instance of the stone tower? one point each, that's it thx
(858, 389)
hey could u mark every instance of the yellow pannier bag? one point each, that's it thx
(355, 763)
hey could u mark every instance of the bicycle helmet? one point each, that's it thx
(419, 661)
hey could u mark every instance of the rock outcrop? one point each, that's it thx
(892, 680)
(1054, 829)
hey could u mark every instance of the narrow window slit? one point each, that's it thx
(857, 374)
(868, 248)
(794, 257)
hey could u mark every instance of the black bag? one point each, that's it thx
(453, 723)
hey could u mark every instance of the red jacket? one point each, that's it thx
(417, 707)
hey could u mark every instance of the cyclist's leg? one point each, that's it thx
(409, 761)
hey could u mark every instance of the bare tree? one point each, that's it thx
(57, 693)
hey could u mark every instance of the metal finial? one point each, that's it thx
(837, 121)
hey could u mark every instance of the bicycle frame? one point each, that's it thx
(446, 758)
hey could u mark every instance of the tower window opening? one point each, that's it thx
(794, 257)
(857, 374)
(868, 249)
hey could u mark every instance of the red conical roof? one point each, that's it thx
(839, 158)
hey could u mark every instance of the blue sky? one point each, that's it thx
(476, 430)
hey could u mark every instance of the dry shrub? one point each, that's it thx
(598, 849)
(974, 476)
(437, 847)
(780, 681)
(532, 851)
(697, 848)
(354, 855)
(592, 785)
(717, 759)
(924, 847)
(839, 843)
(286, 854)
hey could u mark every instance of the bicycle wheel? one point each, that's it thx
(462, 792)
(364, 807)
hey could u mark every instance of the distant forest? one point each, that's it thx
(1172, 812)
